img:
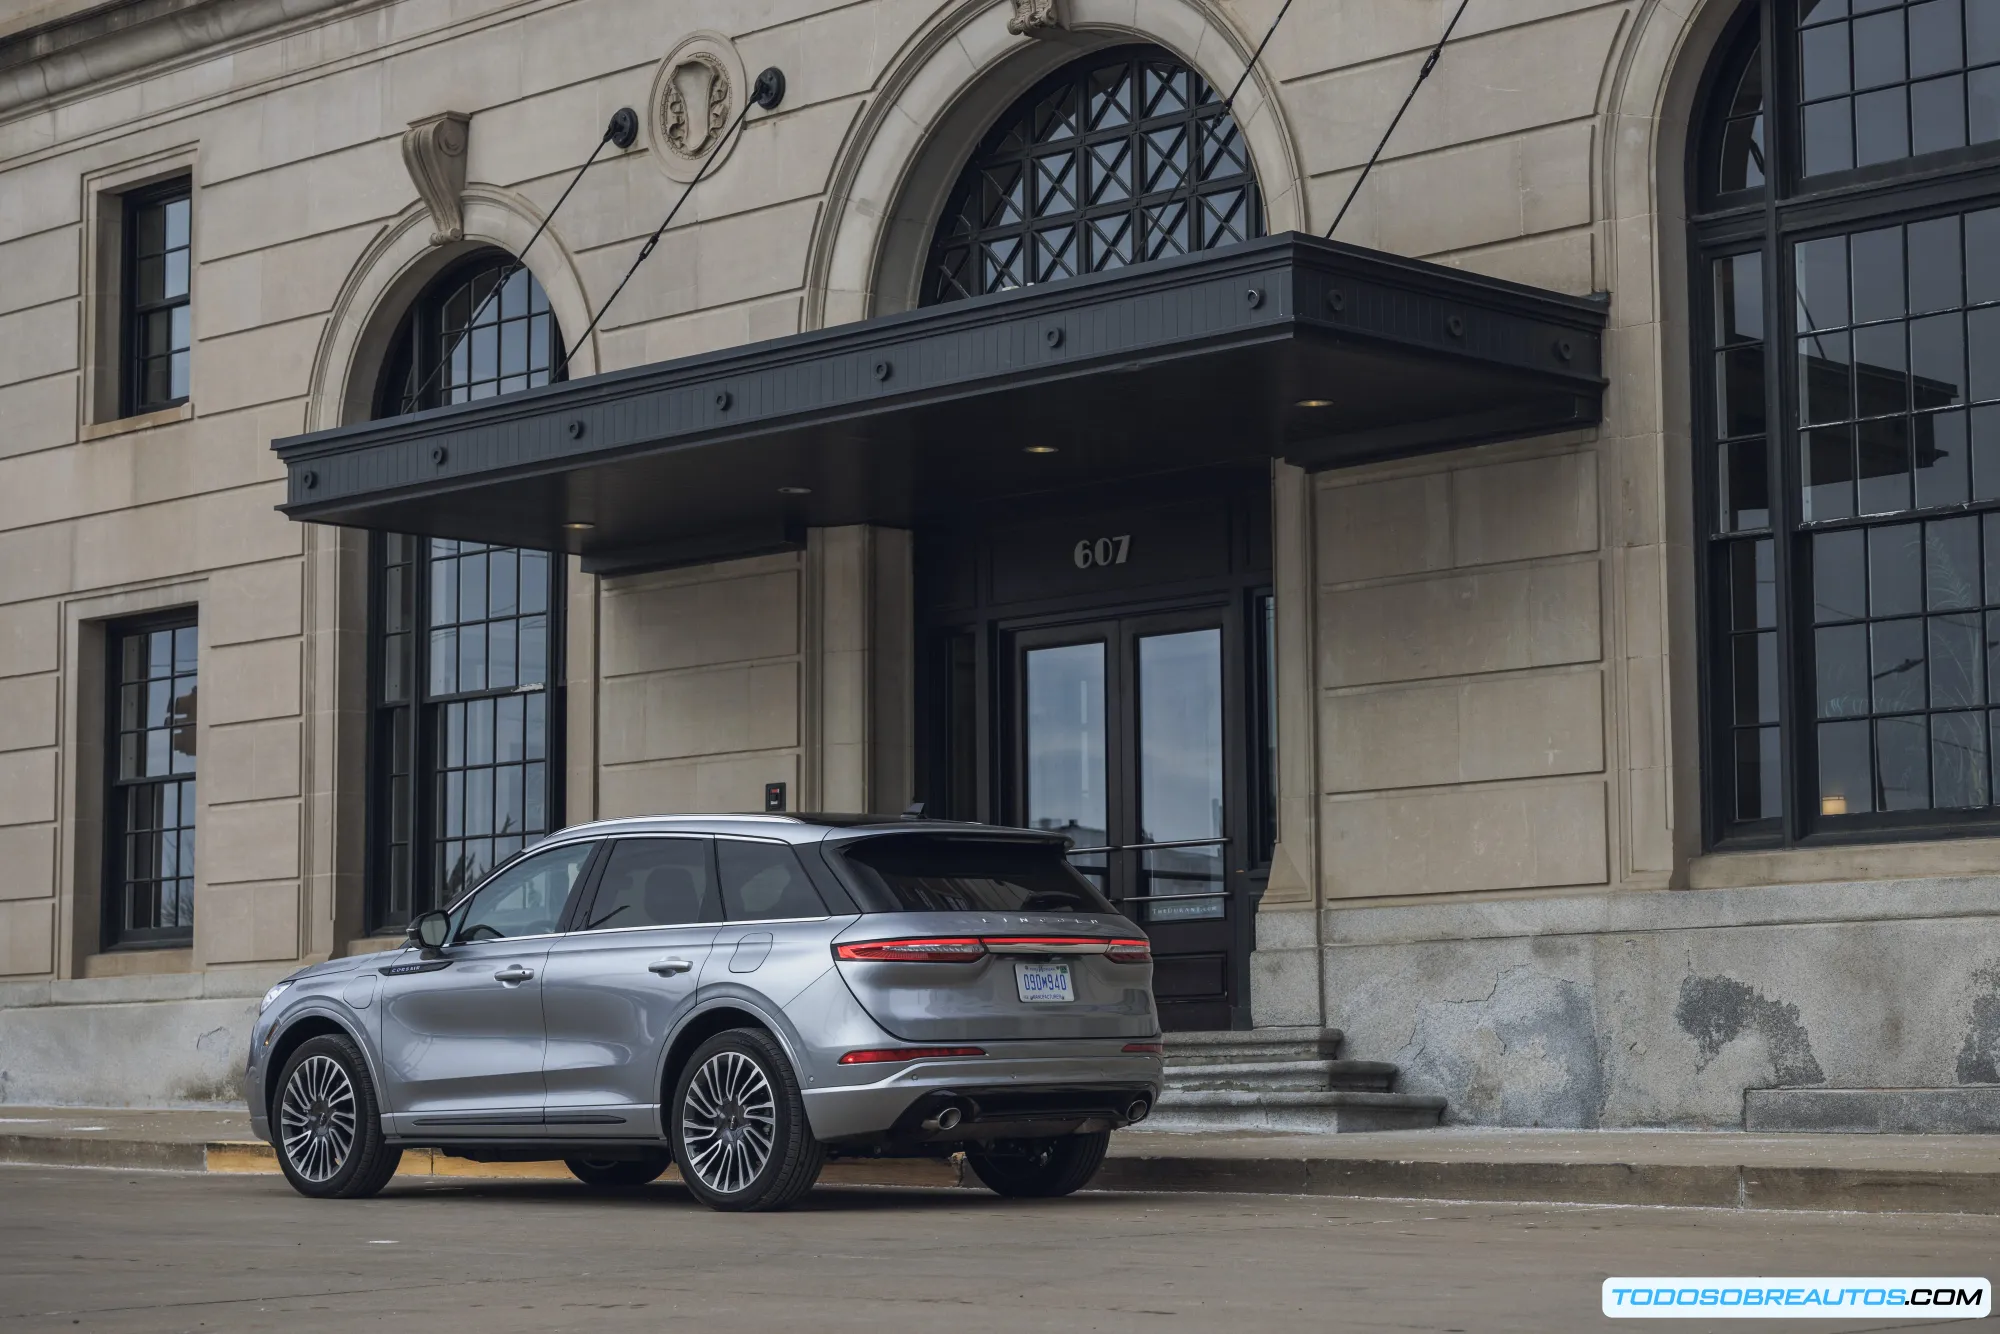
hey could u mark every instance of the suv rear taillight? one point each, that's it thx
(876, 1055)
(1129, 951)
(955, 949)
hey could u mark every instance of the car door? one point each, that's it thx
(462, 1031)
(617, 985)
(776, 938)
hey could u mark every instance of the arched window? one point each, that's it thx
(465, 752)
(1123, 156)
(1846, 267)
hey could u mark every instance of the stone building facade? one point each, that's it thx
(1549, 824)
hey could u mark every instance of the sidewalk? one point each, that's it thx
(1726, 1170)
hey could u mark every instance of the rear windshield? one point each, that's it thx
(941, 873)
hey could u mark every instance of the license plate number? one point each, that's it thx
(1043, 983)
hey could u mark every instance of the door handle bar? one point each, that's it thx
(513, 972)
(669, 967)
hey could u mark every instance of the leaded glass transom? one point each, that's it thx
(1125, 156)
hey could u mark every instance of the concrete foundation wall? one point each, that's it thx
(1661, 1008)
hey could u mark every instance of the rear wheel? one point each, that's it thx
(1041, 1168)
(739, 1131)
(611, 1172)
(327, 1123)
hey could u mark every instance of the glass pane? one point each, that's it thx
(1881, 126)
(1825, 385)
(1936, 275)
(1883, 447)
(1840, 580)
(1937, 115)
(1902, 764)
(1829, 136)
(1740, 390)
(1958, 760)
(1937, 361)
(1881, 371)
(1753, 593)
(1827, 458)
(1183, 871)
(1822, 283)
(1895, 570)
(1739, 298)
(1896, 663)
(1745, 498)
(1957, 661)
(1941, 457)
(1758, 772)
(1823, 62)
(1065, 742)
(1180, 768)
(1845, 785)
(1951, 564)
(1756, 674)
(1840, 660)
(1935, 39)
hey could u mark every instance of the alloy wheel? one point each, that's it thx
(729, 1122)
(316, 1121)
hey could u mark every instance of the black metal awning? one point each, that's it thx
(1320, 353)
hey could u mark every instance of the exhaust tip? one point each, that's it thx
(1138, 1110)
(946, 1119)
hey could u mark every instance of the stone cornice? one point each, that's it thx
(107, 41)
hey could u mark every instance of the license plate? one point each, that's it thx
(1043, 983)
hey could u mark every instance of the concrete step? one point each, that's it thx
(1311, 1113)
(1961, 1110)
(1304, 1075)
(1256, 1044)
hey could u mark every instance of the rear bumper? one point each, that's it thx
(1018, 1089)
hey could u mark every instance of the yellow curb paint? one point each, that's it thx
(241, 1157)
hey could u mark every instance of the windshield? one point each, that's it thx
(959, 873)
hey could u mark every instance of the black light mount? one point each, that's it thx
(770, 89)
(623, 129)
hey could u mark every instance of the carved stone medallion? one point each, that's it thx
(698, 91)
(1036, 18)
(698, 102)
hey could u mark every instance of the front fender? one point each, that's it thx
(267, 1039)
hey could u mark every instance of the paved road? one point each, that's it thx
(103, 1250)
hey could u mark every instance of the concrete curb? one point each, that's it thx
(1706, 1186)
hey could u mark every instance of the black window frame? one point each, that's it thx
(1203, 109)
(133, 315)
(1790, 208)
(413, 363)
(117, 789)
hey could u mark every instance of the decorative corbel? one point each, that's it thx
(1037, 18)
(434, 153)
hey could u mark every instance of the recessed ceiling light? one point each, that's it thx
(1315, 402)
(795, 490)
(1039, 449)
(580, 525)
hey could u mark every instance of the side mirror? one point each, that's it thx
(430, 929)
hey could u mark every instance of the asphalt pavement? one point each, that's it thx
(117, 1250)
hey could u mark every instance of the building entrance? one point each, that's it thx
(1119, 694)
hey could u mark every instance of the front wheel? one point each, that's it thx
(739, 1128)
(1041, 1168)
(614, 1172)
(328, 1123)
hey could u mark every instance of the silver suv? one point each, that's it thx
(746, 996)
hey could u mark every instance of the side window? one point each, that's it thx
(526, 899)
(654, 882)
(763, 882)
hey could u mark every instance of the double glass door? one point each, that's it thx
(1122, 742)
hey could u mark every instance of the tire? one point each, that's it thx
(739, 1125)
(326, 1123)
(1042, 1169)
(611, 1173)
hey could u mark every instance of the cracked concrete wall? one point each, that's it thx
(1660, 1009)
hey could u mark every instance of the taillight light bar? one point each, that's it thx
(969, 949)
(878, 1055)
(957, 949)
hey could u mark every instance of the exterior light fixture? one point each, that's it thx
(579, 525)
(1315, 402)
(795, 490)
(1039, 449)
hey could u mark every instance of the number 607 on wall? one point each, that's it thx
(1103, 551)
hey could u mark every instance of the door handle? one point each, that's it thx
(668, 967)
(513, 972)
